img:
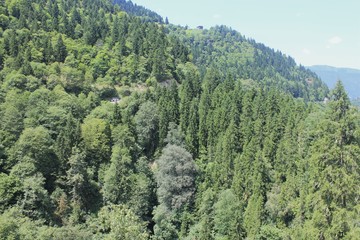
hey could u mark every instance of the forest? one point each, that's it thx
(116, 124)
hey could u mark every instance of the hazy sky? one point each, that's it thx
(314, 32)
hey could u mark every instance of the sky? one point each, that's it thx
(313, 32)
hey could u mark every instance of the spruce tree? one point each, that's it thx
(334, 173)
(60, 51)
(26, 68)
(48, 50)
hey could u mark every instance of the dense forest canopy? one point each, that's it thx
(231, 53)
(116, 124)
(139, 11)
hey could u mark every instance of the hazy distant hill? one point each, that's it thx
(349, 77)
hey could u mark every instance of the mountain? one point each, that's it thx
(139, 11)
(349, 77)
(115, 125)
(231, 53)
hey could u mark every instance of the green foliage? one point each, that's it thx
(333, 183)
(175, 177)
(231, 53)
(339, 103)
(77, 179)
(270, 232)
(96, 138)
(9, 190)
(168, 109)
(117, 182)
(175, 136)
(165, 227)
(253, 215)
(203, 227)
(214, 136)
(34, 146)
(227, 222)
(119, 222)
(12, 118)
(14, 225)
(64, 233)
(147, 124)
(140, 11)
(35, 202)
(60, 51)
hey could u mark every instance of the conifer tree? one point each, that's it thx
(77, 179)
(67, 138)
(334, 168)
(190, 89)
(191, 137)
(227, 216)
(60, 51)
(117, 182)
(26, 68)
(115, 32)
(48, 50)
(54, 9)
(116, 115)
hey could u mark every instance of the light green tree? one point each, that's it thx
(119, 222)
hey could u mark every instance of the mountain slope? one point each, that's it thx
(140, 11)
(116, 127)
(231, 53)
(349, 77)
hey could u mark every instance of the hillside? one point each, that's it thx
(115, 125)
(140, 11)
(231, 53)
(349, 77)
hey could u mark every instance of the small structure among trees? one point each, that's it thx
(115, 100)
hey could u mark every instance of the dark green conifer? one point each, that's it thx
(60, 51)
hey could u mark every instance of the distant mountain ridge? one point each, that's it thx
(232, 54)
(350, 78)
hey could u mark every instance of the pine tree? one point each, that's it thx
(77, 179)
(115, 32)
(116, 115)
(117, 182)
(26, 68)
(60, 51)
(340, 103)
(90, 32)
(168, 109)
(75, 16)
(13, 44)
(227, 216)
(190, 89)
(211, 81)
(67, 139)
(191, 138)
(334, 168)
(48, 50)
(54, 10)
(203, 229)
